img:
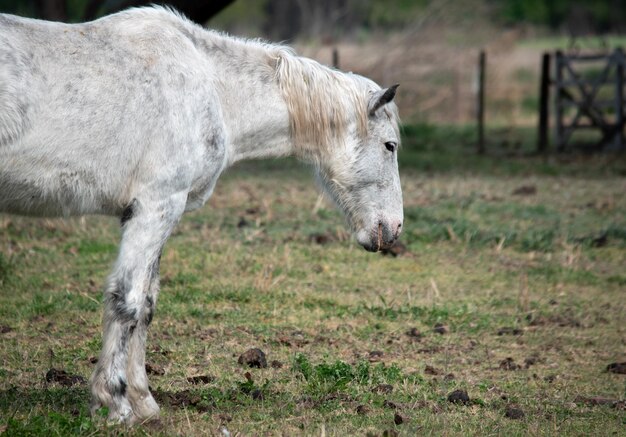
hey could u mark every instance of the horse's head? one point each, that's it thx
(348, 126)
(362, 177)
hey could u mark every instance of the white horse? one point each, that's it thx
(137, 114)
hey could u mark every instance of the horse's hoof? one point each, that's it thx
(145, 410)
(124, 416)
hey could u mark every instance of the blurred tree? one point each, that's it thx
(82, 10)
(572, 15)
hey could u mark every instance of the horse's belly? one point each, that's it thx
(31, 185)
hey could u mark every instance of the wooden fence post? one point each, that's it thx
(558, 103)
(544, 99)
(335, 58)
(481, 102)
(619, 98)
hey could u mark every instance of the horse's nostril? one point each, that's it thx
(398, 229)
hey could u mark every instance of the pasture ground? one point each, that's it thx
(512, 288)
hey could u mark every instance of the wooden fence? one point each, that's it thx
(584, 101)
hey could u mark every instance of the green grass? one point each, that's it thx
(334, 319)
(563, 42)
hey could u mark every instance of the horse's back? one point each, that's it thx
(83, 107)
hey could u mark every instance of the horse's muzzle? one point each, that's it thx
(383, 236)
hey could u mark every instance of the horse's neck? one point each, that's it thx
(255, 114)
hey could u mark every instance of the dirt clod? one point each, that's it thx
(362, 410)
(383, 388)
(508, 364)
(389, 404)
(63, 378)
(525, 190)
(617, 368)
(459, 397)
(254, 357)
(550, 378)
(531, 361)
(430, 370)
(153, 369)
(275, 364)
(321, 239)
(5, 328)
(375, 356)
(508, 330)
(513, 412)
(398, 249)
(257, 394)
(184, 398)
(398, 419)
(414, 333)
(200, 379)
(390, 433)
(440, 328)
(449, 377)
(595, 401)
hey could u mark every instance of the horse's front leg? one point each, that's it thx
(143, 404)
(129, 302)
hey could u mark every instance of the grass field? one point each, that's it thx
(512, 288)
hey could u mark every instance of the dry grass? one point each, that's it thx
(246, 271)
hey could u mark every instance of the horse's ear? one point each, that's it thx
(381, 98)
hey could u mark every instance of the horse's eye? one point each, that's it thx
(391, 146)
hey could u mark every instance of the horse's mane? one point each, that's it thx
(321, 102)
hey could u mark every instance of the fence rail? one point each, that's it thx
(591, 111)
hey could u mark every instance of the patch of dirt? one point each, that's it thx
(383, 388)
(63, 378)
(254, 357)
(514, 412)
(154, 369)
(507, 330)
(532, 360)
(619, 368)
(509, 364)
(398, 249)
(184, 398)
(599, 401)
(414, 334)
(225, 418)
(564, 321)
(430, 350)
(5, 328)
(200, 379)
(257, 394)
(375, 356)
(459, 397)
(362, 410)
(295, 339)
(275, 364)
(322, 238)
(430, 370)
(389, 404)
(206, 334)
(440, 328)
(525, 190)
(449, 377)
(398, 419)
(550, 378)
